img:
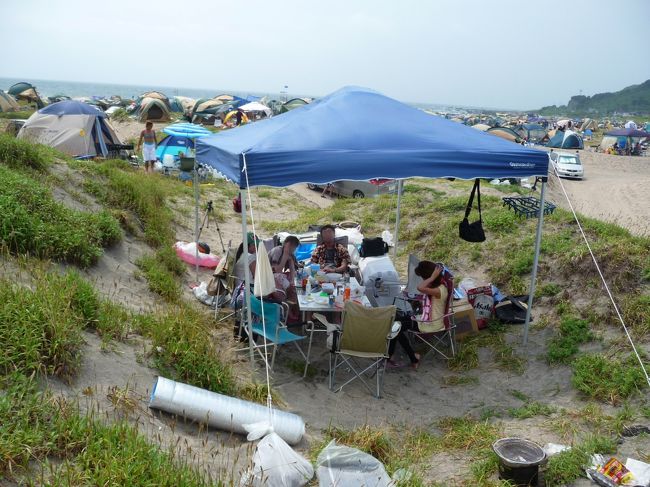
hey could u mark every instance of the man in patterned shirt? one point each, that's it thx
(331, 257)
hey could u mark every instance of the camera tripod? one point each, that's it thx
(209, 210)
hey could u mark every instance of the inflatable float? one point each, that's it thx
(186, 251)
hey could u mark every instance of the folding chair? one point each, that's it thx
(365, 334)
(439, 333)
(274, 327)
(225, 281)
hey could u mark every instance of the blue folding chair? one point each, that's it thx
(274, 328)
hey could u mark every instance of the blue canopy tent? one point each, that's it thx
(356, 133)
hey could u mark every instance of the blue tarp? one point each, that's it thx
(71, 107)
(356, 133)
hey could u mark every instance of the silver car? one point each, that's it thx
(567, 165)
(360, 189)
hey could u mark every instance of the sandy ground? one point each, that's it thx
(614, 189)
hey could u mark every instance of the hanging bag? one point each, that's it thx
(472, 232)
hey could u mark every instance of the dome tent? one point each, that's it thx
(566, 140)
(8, 103)
(153, 110)
(26, 91)
(73, 127)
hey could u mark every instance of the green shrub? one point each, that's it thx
(32, 222)
(607, 379)
(21, 154)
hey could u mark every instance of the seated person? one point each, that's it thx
(435, 292)
(240, 266)
(331, 257)
(402, 338)
(283, 262)
(282, 257)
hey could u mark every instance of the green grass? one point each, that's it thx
(572, 333)
(34, 428)
(531, 409)
(21, 154)
(569, 465)
(608, 379)
(119, 186)
(21, 115)
(182, 347)
(161, 274)
(32, 222)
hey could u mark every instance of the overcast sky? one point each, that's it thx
(502, 54)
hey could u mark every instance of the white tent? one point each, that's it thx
(255, 106)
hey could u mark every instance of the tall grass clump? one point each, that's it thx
(40, 329)
(184, 348)
(124, 188)
(34, 428)
(21, 154)
(569, 465)
(572, 333)
(608, 379)
(32, 222)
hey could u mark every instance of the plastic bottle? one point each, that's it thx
(308, 286)
(346, 293)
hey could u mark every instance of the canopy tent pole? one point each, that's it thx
(538, 241)
(196, 220)
(400, 185)
(247, 273)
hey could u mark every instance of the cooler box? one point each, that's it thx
(381, 280)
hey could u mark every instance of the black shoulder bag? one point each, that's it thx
(472, 232)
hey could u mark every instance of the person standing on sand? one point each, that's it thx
(149, 148)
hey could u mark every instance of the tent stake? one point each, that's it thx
(538, 242)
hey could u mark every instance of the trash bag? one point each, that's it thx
(276, 464)
(342, 466)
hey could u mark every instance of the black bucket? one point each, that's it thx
(519, 460)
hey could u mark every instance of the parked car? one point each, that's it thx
(360, 189)
(567, 165)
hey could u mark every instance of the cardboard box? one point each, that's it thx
(465, 319)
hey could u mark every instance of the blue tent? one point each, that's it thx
(356, 133)
(174, 144)
(72, 107)
(566, 140)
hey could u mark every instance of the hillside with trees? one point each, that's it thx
(634, 99)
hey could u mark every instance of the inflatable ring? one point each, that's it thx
(186, 251)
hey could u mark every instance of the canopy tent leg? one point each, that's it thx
(538, 241)
(400, 186)
(196, 221)
(247, 274)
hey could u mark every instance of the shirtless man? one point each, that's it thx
(150, 144)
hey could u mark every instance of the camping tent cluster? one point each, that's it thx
(73, 127)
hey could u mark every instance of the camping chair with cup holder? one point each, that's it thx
(438, 335)
(364, 335)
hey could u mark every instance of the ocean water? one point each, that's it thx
(73, 88)
(100, 90)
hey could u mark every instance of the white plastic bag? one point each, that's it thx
(201, 293)
(342, 466)
(276, 464)
(264, 280)
(387, 237)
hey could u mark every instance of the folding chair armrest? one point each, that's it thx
(396, 328)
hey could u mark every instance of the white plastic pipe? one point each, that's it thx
(223, 412)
